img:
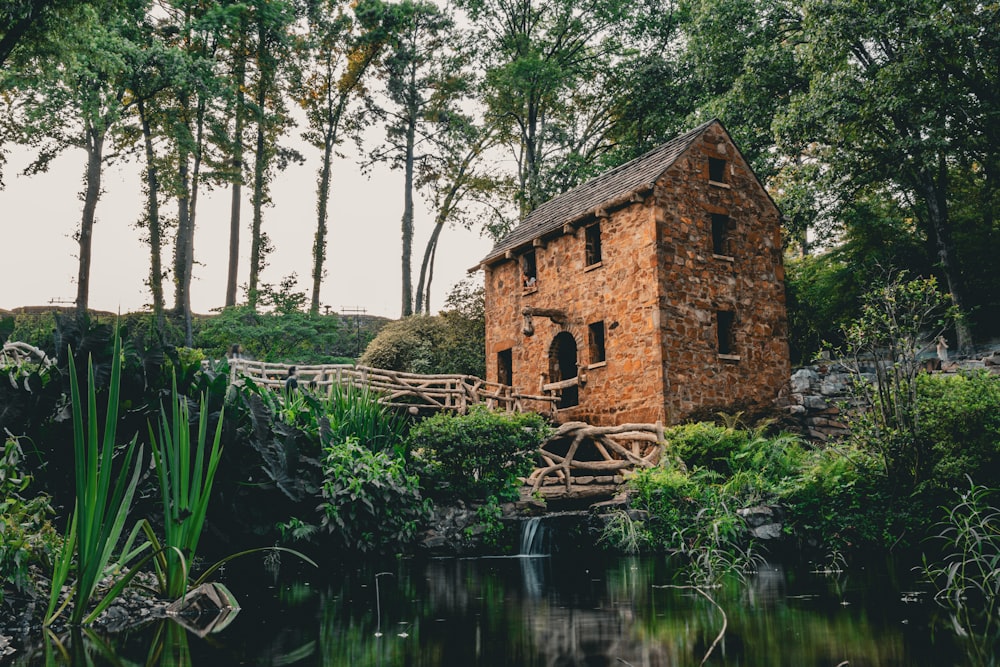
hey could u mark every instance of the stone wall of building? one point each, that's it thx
(697, 283)
(657, 289)
(620, 291)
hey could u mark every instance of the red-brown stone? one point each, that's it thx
(658, 289)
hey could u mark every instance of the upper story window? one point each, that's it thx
(596, 342)
(721, 235)
(529, 270)
(593, 241)
(716, 170)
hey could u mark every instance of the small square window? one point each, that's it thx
(597, 353)
(529, 270)
(724, 321)
(716, 170)
(593, 238)
(720, 234)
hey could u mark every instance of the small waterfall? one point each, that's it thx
(533, 537)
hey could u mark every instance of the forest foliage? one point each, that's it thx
(871, 123)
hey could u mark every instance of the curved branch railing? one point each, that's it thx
(620, 448)
(413, 391)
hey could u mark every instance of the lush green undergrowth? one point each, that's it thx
(237, 467)
(835, 498)
(340, 473)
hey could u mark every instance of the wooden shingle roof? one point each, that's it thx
(611, 186)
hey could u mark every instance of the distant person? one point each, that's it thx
(942, 348)
(236, 351)
(292, 381)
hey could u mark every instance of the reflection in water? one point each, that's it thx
(554, 611)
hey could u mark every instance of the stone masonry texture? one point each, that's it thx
(658, 289)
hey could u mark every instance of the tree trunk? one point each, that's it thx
(92, 193)
(532, 154)
(237, 193)
(257, 200)
(430, 279)
(423, 283)
(182, 276)
(933, 191)
(407, 295)
(195, 183)
(319, 241)
(153, 217)
(258, 250)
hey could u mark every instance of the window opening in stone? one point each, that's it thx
(720, 234)
(562, 366)
(725, 320)
(716, 170)
(505, 367)
(597, 353)
(593, 244)
(529, 272)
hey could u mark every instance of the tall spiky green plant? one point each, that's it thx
(100, 511)
(186, 475)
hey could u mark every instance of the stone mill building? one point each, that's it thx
(648, 293)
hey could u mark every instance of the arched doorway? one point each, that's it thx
(562, 366)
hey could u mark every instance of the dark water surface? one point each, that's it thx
(556, 611)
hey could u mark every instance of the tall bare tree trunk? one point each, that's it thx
(407, 292)
(423, 304)
(237, 192)
(92, 193)
(189, 257)
(322, 200)
(257, 250)
(182, 275)
(153, 217)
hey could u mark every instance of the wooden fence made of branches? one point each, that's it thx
(410, 391)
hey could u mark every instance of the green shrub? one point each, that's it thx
(276, 336)
(843, 500)
(706, 445)
(969, 539)
(410, 345)
(692, 516)
(669, 497)
(370, 502)
(452, 342)
(477, 455)
(958, 419)
(27, 538)
(38, 329)
(896, 319)
(736, 453)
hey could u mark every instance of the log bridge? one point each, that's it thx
(584, 461)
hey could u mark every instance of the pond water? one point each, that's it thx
(561, 610)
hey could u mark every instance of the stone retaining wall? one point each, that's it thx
(820, 400)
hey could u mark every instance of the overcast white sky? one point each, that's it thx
(39, 214)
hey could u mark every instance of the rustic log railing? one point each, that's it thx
(405, 390)
(577, 458)
(618, 448)
(16, 353)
